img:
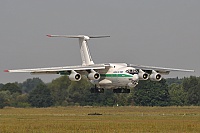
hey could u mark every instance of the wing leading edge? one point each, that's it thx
(58, 70)
(162, 70)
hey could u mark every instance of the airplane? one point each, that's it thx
(119, 77)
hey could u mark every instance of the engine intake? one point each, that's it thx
(74, 76)
(93, 75)
(155, 76)
(142, 75)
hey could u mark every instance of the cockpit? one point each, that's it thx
(132, 71)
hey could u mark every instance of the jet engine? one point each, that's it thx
(142, 75)
(155, 76)
(94, 76)
(74, 76)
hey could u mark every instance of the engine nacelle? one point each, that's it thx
(75, 76)
(94, 76)
(155, 76)
(142, 75)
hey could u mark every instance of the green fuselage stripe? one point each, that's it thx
(116, 75)
(113, 75)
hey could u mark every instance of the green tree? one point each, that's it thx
(40, 97)
(191, 86)
(12, 87)
(5, 97)
(19, 100)
(58, 88)
(121, 99)
(151, 93)
(189, 83)
(178, 96)
(1, 85)
(30, 84)
(100, 99)
(176, 80)
(78, 91)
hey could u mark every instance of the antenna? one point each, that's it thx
(84, 49)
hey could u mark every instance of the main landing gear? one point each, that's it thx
(117, 90)
(121, 90)
(97, 90)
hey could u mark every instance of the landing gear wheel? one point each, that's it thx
(97, 90)
(121, 90)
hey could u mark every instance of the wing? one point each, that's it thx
(161, 70)
(59, 70)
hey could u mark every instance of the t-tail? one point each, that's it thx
(84, 49)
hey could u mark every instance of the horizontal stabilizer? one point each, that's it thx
(77, 36)
(98, 36)
(67, 36)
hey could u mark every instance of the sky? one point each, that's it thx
(163, 33)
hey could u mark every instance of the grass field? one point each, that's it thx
(113, 119)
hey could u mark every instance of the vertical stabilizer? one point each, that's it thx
(85, 53)
(84, 50)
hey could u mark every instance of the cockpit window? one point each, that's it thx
(132, 71)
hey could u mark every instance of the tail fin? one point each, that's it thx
(84, 50)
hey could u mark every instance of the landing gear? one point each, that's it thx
(121, 90)
(117, 90)
(97, 90)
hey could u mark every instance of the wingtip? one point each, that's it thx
(49, 35)
(6, 70)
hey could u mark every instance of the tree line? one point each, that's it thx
(63, 92)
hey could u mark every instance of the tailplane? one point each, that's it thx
(84, 50)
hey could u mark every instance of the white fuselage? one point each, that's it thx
(117, 75)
